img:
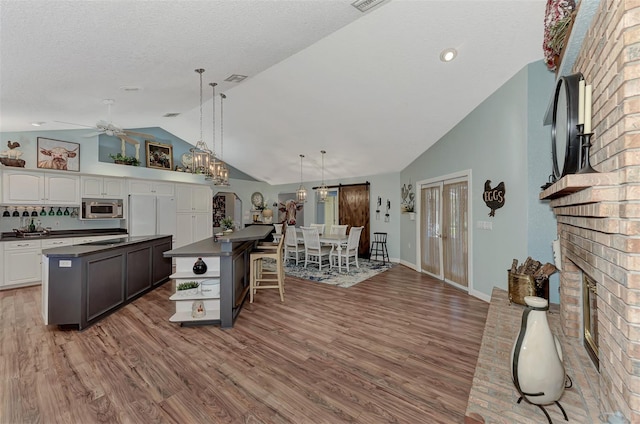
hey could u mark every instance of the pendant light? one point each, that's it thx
(301, 193)
(222, 172)
(323, 190)
(213, 163)
(200, 152)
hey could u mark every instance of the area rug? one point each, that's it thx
(331, 276)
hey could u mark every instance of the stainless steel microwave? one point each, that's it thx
(102, 209)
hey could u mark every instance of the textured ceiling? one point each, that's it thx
(367, 88)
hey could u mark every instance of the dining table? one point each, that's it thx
(335, 240)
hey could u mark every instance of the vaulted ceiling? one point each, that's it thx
(369, 88)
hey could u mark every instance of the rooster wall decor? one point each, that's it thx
(494, 197)
(11, 157)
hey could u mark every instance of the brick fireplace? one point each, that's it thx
(598, 214)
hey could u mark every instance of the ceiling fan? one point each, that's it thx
(110, 129)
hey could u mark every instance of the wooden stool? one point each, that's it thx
(379, 247)
(273, 279)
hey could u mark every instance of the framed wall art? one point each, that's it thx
(159, 156)
(58, 154)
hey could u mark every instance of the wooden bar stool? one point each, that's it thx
(379, 247)
(267, 279)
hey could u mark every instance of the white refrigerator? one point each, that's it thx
(152, 215)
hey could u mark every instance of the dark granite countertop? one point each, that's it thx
(11, 236)
(215, 246)
(93, 247)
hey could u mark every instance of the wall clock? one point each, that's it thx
(257, 199)
(565, 144)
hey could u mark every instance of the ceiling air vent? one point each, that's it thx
(364, 5)
(171, 115)
(235, 78)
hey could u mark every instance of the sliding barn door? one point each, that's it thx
(354, 210)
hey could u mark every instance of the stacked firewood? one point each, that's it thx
(534, 268)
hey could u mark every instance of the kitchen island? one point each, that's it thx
(227, 258)
(82, 284)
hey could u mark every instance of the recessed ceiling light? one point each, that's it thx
(37, 124)
(448, 55)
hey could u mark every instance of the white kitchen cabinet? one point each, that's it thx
(193, 198)
(192, 227)
(96, 187)
(22, 262)
(158, 188)
(40, 188)
(56, 242)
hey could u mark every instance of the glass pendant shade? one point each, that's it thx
(301, 193)
(323, 190)
(201, 158)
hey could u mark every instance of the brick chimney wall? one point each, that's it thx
(598, 215)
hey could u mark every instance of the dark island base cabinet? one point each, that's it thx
(85, 289)
(138, 271)
(105, 284)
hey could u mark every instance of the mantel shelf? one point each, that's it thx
(576, 182)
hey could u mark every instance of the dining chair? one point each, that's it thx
(314, 251)
(339, 230)
(261, 278)
(320, 227)
(350, 250)
(293, 246)
(278, 233)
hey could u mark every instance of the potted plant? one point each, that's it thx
(125, 160)
(188, 288)
(227, 224)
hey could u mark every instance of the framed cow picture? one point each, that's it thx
(59, 155)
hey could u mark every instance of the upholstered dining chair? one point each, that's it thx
(350, 250)
(339, 230)
(314, 252)
(261, 278)
(293, 246)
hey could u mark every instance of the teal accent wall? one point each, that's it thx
(494, 142)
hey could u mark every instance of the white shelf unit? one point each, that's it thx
(184, 272)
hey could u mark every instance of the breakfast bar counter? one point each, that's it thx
(227, 259)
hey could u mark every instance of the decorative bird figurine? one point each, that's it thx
(12, 144)
(494, 197)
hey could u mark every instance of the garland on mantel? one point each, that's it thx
(557, 20)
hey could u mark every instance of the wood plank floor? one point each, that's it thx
(397, 348)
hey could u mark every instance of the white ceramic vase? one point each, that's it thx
(536, 358)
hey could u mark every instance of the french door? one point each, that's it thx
(443, 232)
